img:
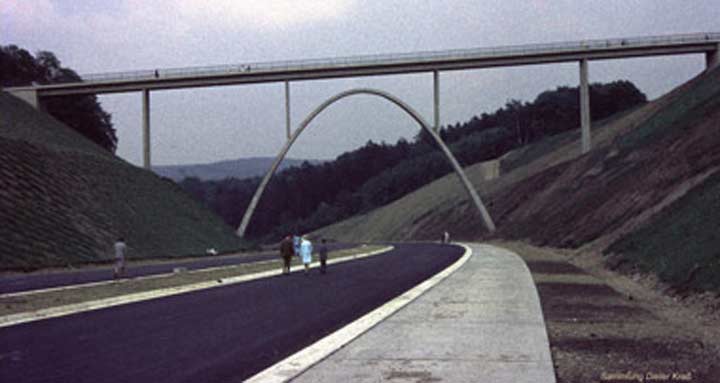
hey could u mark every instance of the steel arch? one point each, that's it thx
(405, 107)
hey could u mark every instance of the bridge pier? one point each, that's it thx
(146, 127)
(712, 58)
(287, 109)
(436, 100)
(584, 107)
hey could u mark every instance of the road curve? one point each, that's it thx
(223, 334)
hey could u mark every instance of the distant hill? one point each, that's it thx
(646, 196)
(240, 168)
(64, 200)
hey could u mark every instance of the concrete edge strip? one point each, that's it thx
(537, 302)
(296, 364)
(53, 312)
(546, 360)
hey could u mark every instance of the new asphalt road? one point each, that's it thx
(224, 334)
(35, 281)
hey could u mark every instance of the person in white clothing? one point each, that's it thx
(120, 249)
(306, 253)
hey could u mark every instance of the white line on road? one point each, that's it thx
(111, 281)
(53, 312)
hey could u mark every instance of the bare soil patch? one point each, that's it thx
(587, 312)
(617, 329)
(570, 290)
(548, 267)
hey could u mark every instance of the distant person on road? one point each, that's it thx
(446, 237)
(323, 256)
(286, 252)
(306, 253)
(120, 249)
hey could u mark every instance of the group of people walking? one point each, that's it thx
(293, 245)
(289, 247)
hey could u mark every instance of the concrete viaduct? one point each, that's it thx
(434, 62)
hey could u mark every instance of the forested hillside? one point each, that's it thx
(304, 198)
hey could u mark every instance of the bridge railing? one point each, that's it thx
(390, 59)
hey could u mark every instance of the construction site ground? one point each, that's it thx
(609, 327)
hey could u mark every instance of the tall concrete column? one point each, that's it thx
(436, 101)
(712, 59)
(146, 128)
(584, 107)
(287, 109)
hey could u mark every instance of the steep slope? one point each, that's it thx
(63, 200)
(617, 187)
(642, 163)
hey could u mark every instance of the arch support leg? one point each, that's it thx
(469, 188)
(261, 188)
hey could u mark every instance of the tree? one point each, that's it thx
(82, 113)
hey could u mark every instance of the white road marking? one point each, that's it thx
(139, 278)
(53, 312)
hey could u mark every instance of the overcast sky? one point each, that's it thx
(212, 124)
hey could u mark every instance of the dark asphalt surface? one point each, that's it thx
(35, 281)
(223, 334)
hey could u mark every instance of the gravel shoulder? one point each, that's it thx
(608, 327)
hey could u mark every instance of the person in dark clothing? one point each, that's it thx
(323, 256)
(286, 251)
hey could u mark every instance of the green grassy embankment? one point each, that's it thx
(682, 244)
(64, 201)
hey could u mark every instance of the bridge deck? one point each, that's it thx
(369, 65)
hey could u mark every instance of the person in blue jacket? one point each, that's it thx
(306, 253)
